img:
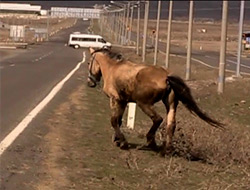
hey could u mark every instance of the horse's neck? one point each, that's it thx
(106, 66)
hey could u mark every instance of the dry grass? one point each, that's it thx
(204, 157)
(208, 40)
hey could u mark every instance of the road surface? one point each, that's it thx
(208, 57)
(28, 77)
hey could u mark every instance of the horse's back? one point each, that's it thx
(152, 75)
(138, 82)
(150, 84)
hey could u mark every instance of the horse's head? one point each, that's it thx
(94, 69)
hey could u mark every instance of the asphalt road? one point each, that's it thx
(208, 57)
(29, 76)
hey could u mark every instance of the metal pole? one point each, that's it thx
(131, 24)
(157, 31)
(102, 21)
(123, 26)
(48, 17)
(189, 45)
(221, 79)
(114, 25)
(240, 37)
(126, 31)
(138, 29)
(119, 28)
(169, 32)
(145, 31)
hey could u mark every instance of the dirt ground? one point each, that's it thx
(206, 35)
(81, 155)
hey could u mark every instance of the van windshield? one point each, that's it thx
(101, 40)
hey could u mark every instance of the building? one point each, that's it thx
(19, 8)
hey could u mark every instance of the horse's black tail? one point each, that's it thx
(183, 93)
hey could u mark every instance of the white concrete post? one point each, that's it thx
(131, 115)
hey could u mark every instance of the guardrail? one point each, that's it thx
(13, 45)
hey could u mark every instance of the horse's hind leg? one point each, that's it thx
(171, 103)
(156, 118)
(117, 110)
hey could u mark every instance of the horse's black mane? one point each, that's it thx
(113, 55)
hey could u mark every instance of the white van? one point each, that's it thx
(78, 40)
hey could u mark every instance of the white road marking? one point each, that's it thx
(9, 139)
(242, 65)
(43, 56)
(203, 63)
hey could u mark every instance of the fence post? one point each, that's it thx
(123, 26)
(169, 32)
(145, 31)
(221, 79)
(240, 37)
(131, 24)
(127, 20)
(120, 28)
(189, 45)
(48, 17)
(138, 28)
(157, 31)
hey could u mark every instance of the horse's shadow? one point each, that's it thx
(176, 152)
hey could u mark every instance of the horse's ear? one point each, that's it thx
(91, 50)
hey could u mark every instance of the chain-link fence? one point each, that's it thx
(206, 26)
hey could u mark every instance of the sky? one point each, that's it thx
(202, 9)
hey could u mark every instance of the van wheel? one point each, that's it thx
(106, 47)
(76, 46)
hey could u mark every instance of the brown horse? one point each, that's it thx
(125, 81)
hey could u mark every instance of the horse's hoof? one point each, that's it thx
(166, 151)
(124, 145)
(117, 143)
(162, 153)
(152, 145)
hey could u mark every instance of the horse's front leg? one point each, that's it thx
(117, 110)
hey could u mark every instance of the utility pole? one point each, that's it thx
(221, 79)
(189, 45)
(138, 28)
(169, 32)
(240, 37)
(157, 31)
(145, 31)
